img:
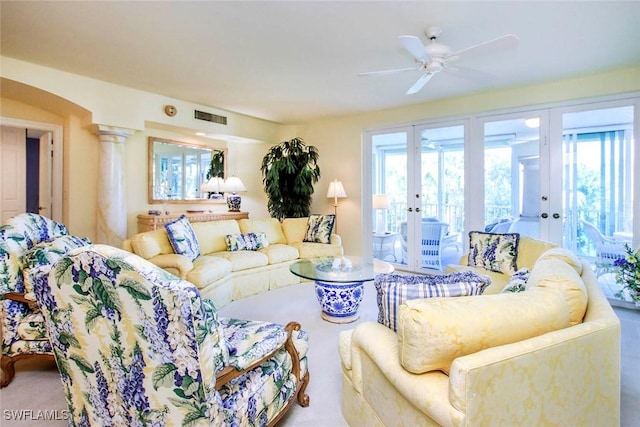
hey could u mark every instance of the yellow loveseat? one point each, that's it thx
(548, 356)
(224, 276)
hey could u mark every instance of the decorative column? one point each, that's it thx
(112, 206)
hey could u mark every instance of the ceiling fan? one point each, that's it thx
(435, 57)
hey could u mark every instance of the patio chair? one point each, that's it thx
(136, 345)
(434, 239)
(608, 248)
(502, 226)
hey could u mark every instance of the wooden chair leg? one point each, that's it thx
(8, 369)
(303, 398)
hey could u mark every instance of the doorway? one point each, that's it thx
(418, 186)
(41, 182)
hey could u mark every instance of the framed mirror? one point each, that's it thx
(177, 170)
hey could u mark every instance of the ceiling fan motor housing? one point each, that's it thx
(437, 50)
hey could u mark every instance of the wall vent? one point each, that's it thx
(209, 117)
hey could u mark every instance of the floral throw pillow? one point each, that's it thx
(182, 237)
(319, 228)
(518, 282)
(494, 252)
(246, 242)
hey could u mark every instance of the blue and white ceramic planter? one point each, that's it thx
(339, 301)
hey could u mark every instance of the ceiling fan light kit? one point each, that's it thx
(435, 57)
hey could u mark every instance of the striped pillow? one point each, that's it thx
(395, 289)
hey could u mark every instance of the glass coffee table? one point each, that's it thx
(339, 283)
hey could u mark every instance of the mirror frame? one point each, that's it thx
(150, 177)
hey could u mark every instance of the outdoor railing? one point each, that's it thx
(451, 214)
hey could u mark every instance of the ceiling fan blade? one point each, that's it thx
(505, 42)
(415, 47)
(382, 72)
(419, 84)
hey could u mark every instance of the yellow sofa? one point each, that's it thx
(529, 250)
(548, 356)
(224, 276)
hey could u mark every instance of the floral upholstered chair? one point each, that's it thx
(136, 345)
(29, 245)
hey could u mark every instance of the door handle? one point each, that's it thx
(544, 215)
(417, 209)
(410, 209)
(556, 215)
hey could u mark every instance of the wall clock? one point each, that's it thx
(170, 110)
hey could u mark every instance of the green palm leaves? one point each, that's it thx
(289, 171)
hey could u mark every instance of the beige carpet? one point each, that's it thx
(38, 387)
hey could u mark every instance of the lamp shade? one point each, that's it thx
(233, 184)
(381, 201)
(336, 190)
(213, 185)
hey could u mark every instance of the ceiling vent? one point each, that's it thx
(209, 117)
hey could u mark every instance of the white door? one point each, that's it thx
(12, 172)
(420, 172)
(516, 176)
(44, 184)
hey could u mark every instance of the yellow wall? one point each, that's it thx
(338, 139)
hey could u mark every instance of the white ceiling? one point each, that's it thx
(291, 62)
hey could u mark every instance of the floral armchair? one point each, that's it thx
(29, 245)
(136, 345)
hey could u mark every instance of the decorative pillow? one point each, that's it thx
(182, 238)
(433, 332)
(518, 282)
(555, 273)
(394, 289)
(494, 252)
(319, 228)
(565, 255)
(246, 242)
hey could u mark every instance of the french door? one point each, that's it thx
(542, 173)
(418, 188)
(518, 196)
(546, 172)
(597, 175)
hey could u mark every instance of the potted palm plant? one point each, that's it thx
(289, 171)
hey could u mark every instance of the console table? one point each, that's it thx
(148, 222)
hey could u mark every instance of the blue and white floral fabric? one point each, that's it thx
(319, 228)
(138, 346)
(518, 282)
(29, 245)
(246, 241)
(494, 252)
(17, 236)
(182, 237)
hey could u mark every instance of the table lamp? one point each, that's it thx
(380, 202)
(233, 185)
